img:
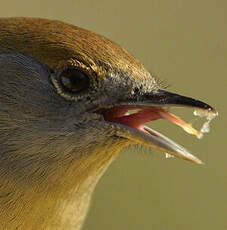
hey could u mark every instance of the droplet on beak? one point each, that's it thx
(210, 115)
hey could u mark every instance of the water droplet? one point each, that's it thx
(168, 156)
(210, 115)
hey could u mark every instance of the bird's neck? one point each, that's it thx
(59, 202)
(72, 208)
(56, 208)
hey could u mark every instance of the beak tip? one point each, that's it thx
(200, 162)
(196, 161)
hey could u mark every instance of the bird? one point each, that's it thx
(70, 101)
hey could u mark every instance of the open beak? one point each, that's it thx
(152, 107)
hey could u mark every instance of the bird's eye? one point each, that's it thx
(74, 80)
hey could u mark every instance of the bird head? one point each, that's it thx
(66, 93)
(65, 100)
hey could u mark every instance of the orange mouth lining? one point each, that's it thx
(119, 114)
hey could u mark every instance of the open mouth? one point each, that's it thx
(154, 107)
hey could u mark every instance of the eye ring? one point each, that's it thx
(73, 80)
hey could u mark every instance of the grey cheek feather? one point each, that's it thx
(37, 125)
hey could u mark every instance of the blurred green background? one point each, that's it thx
(185, 44)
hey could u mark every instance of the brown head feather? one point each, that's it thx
(56, 44)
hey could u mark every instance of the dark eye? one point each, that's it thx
(74, 80)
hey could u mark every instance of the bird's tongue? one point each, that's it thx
(137, 120)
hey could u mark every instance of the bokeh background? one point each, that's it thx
(185, 44)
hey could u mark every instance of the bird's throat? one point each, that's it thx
(61, 201)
